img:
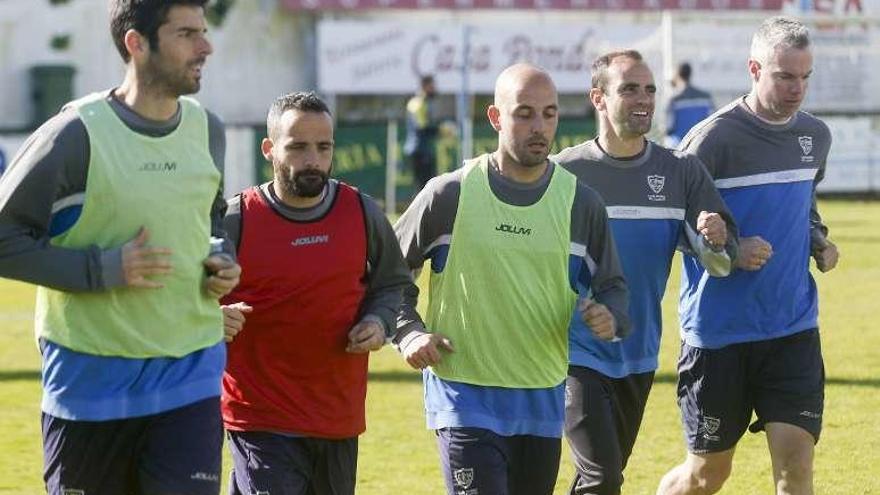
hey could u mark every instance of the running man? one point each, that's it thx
(513, 239)
(109, 208)
(751, 340)
(657, 200)
(321, 286)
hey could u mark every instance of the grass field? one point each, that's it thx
(398, 455)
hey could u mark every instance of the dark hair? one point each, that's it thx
(599, 69)
(426, 80)
(684, 71)
(145, 17)
(302, 101)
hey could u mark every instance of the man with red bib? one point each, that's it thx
(321, 284)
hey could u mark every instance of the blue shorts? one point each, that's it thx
(782, 380)
(278, 464)
(173, 452)
(476, 461)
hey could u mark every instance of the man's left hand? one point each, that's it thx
(599, 318)
(826, 257)
(712, 227)
(366, 336)
(223, 275)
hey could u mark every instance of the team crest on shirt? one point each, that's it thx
(656, 183)
(463, 477)
(806, 143)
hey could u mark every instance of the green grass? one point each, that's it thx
(399, 456)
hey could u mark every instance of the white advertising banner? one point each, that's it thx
(384, 58)
(375, 58)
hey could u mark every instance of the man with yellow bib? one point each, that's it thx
(513, 240)
(109, 208)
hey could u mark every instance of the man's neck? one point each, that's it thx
(146, 102)
(512, 170)
(620, 147)
(758, 110)
(294, 201)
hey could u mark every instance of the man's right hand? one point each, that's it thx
(754, 252)
(424, 350)
(233, 319)
(140, 261)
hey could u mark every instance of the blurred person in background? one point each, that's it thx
(688, 106)
(422, 128)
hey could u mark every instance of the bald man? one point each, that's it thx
(515, 245)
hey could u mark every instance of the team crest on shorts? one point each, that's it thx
(710, 425)
(73, 491)
(656, 183)
(464, 477)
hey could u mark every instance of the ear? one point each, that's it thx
(754, 69)
(597, 98)
(136, 44)
(494, 114)
(266, 146)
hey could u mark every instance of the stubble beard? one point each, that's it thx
(302, 185)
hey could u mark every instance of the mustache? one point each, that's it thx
(310, 173)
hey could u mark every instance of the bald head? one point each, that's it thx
(513, 79)
(524, 114)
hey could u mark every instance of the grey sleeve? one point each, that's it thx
(590, 228)
(701, 143)
(217, 148)
(232, 221)
(426, 224)
(50, 168)
(387, 274)
(702, 196)
(818, 230)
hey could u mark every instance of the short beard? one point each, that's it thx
(300, 184)
(168, 82)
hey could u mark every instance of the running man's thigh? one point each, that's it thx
(630, 398)
(182, 450)
(474, 461)
(264, 462)
(789, 382)
(590, 428)
(533, 464)
(335, 470)
(93, 457)
(714, 396)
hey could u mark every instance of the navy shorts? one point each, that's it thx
(782, 380)
(602, 420)
(173, 452)
(477, 461)
(276, 464)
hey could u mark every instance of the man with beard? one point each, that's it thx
(321, 284)
(657, 200)
(513, 239)
(751, 340)
(109, 208)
